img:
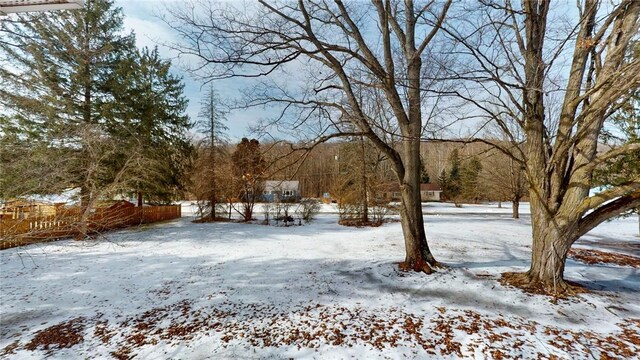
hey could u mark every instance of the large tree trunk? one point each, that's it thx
(515, 208)
(213, 207)
(83, 221)
(552, 239)
(548, 256)
(418, 255)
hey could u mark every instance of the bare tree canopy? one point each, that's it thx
(342, 53)
(559, 79)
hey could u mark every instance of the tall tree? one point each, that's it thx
(424, 174)
(56, 93)
(451, 182)
(212, 124)
(148, 114)
(248, 169)
(470, 186)
(622, 130)
(341, 45)
(515, 56)
(360, 182)
(504, 178)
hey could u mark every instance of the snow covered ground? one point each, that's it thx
(227, 290)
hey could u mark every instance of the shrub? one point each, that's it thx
(308, 209)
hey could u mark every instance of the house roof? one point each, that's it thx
(281, 185)
(430, 187)
(19, 6)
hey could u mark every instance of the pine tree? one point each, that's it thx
(443, 181)
(622, 130)
(469, 179)
(149, 118)
(87, 110)
(424, 174)
(360, 183)
(58, 93)
(453, 185)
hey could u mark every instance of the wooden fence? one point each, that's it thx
(18, 232)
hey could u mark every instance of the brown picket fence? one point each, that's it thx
(18, 232)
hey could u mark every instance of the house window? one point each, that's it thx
(396, 194)
(287, 193)
(430, 193)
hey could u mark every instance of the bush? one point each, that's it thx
(308, 209)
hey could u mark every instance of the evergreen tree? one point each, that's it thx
(453, 184)
(622, 130)
(443, 181)
(424, 175)
(149, 118)
(213, 118)
(469, 179)
(56, 94)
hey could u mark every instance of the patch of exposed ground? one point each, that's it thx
(59, 336)
(446, 332)
(590, 256)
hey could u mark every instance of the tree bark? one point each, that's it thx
(83, 222)
(365, 197)
(139, 199)
(418, 255)
(213, 206)
(551, 244)
(515, 209)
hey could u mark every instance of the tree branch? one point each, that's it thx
(607, 211)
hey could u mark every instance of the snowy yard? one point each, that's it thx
(228, 290)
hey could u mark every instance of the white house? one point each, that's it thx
(430, 192)
(281, 190)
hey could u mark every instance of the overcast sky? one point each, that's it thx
(140, 16)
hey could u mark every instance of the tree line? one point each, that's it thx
(397, 73)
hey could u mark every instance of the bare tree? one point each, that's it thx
(505, 179)
(212, 118)
(248, 167)
(513, 59)
(361, 183)
(337, 45)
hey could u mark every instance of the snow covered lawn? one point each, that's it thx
(226, 290)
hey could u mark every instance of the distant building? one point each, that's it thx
(430, 192)
(281, 190)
